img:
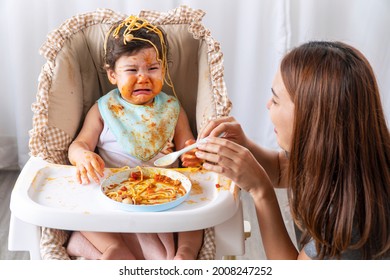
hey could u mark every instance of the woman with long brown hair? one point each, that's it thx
(330, 124)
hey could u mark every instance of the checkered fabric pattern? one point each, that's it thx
(51, 143)
(47, 142)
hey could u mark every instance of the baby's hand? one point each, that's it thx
(89, 164)
(189, 159)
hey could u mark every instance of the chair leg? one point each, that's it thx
(229, 236)
(24, 237)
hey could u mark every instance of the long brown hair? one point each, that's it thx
(340, 156)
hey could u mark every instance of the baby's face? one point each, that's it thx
(139, 76)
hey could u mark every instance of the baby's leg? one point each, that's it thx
(79, 246)
(111, 245)
(189, 244)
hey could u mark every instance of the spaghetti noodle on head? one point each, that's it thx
(131, 35)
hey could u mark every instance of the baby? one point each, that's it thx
(133, 125)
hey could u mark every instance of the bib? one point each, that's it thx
(141, 130)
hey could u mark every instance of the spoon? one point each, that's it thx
(172, 157)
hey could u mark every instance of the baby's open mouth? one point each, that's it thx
(142, 91)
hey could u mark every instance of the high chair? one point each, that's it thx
(72, 79)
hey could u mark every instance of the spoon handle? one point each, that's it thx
(192, 146)
(188, 148)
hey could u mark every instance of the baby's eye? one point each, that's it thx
(273, 101)
(131, 70)
(153, 68)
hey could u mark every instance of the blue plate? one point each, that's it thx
(119, 177)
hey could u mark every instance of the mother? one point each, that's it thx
(330, 124)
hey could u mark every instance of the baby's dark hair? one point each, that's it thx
(132, 35)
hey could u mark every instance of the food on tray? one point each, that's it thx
(140, 189)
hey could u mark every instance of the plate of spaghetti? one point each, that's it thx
(146, 189)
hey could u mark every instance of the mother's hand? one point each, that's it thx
(228, 127)
(235, 162)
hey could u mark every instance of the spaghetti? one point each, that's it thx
(140, 189)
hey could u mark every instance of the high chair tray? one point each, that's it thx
(48, 195)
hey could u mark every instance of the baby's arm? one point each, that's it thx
(189, 244)
(182, 131)
(184, 137)
(88, 164)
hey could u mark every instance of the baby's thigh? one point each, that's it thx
(103, 240)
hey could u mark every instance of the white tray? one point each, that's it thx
(48, 195)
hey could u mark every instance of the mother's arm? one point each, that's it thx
(274, 163)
